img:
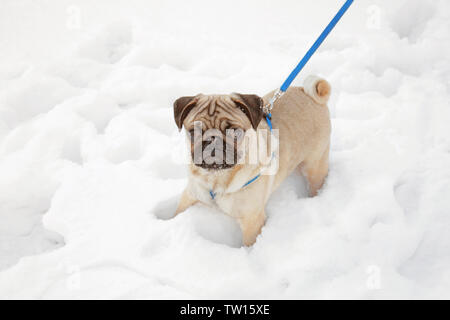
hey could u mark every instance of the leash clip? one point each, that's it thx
(268, 107)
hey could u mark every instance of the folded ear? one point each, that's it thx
(251, 105)
(181, 107)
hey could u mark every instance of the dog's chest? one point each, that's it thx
(208, 191)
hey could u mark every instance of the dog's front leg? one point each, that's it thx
(251, 225)
(186, 201)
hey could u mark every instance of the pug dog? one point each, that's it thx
(216, 124)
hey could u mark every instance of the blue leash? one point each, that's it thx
(315, 46)
(267, 109)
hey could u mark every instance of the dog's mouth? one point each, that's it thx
(215, 166)
(215, 159)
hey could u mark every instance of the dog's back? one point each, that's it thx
(302, 118)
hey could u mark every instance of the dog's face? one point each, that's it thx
(216, 125)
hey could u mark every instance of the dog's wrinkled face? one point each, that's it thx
(216, 125)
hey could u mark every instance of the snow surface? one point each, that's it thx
(90, 168)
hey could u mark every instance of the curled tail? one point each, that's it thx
(317, 88)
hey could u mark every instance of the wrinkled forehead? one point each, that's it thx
(214, 104)
(217, 111)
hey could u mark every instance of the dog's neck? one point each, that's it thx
(225, 180)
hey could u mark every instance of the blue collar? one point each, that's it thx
(269, 123)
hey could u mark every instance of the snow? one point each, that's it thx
(91, 161)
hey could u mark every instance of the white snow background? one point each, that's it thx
(90, 169)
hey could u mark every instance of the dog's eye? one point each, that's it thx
(242, 109)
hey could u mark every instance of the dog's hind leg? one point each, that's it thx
(186, 201)
(316, 170)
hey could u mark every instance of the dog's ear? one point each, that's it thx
(181, 107)
(251, 105)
